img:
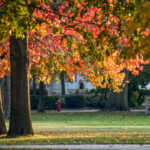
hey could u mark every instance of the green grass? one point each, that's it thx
(93, 119)
(86, 128)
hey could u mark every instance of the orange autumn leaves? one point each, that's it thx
(4, 59)
(72, 42)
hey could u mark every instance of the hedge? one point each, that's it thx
(75, 101)
(95, 102)
(72, 101)
(50, 101)
(146, 92)
(34, 101)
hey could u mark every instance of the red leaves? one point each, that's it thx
(4, 59)
(80, 39)
(146, 32)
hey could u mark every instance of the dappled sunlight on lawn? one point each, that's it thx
(86, 128)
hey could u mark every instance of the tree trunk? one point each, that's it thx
(6, 96)
(34, 85)
(2, 118)
(41, 97)
(119, 101)
(63, 91)
(20, 117)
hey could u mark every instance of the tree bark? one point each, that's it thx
(2, 118)
(34, 85)
(41, 97)
(119, 101)
(6, 96)
(20, 117)
(63, 91)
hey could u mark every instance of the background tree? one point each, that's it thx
(119, 101)
(137, 85)
(41, 97)
(34, 84)
(2, 120)
(6, 96)
(62, 77)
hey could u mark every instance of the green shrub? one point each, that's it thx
(34, 99)
(90, 103)
(136, 99)
(99, 98)
(95, 102)
(146, 92)
(50, 102)
(75, 101)
(133, 100)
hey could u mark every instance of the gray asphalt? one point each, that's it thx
(79, 147)
(93, 110)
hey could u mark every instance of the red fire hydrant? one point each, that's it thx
(58, 103)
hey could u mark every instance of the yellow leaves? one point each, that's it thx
(136, 38)
(57, 80)
(138, 30)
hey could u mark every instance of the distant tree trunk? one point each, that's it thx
(2, 118)
(20, 117)
(6, 96)
(41, 97)
(63, 91)
(34, 85)
(119, 101)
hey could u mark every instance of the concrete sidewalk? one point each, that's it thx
(79, 147)
(90, 110)
(80, 110)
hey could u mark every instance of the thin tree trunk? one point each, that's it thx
(6, 96)
(41, 97)
(119, 101)
(63, 91)
(20, 117)
(2, 118)
(34, 85)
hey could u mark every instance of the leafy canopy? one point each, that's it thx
(93, 38)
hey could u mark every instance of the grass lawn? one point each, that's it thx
(86, 128)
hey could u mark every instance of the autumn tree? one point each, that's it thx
(89, 39)
(4, 63)
(136, 27)
(15, 25)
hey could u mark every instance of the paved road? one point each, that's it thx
(80, 110)
(79, 147)
(93, 110)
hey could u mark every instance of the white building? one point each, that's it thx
(70, 87)
(148, 86)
